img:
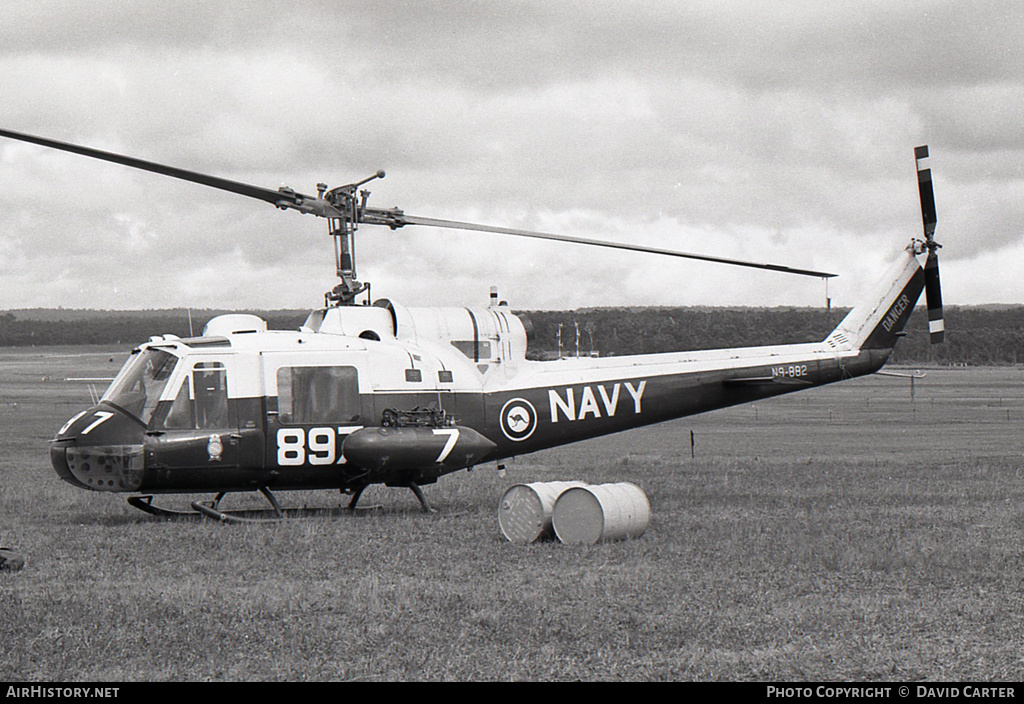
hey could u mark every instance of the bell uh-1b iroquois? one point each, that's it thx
(379, 393)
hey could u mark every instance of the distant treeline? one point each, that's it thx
(975, 335)
(87, 327)
(984, 335)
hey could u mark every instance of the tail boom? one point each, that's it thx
(573, 399)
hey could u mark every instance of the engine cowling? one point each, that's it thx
(485, 335)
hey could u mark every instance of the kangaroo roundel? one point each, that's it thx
(518, 419)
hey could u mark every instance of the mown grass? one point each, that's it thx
(841, 534)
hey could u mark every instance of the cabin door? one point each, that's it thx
(203, 427)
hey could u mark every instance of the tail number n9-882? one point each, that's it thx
(793, 371)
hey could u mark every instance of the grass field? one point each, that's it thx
(845, 533)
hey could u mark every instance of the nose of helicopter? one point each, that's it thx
(99, 449)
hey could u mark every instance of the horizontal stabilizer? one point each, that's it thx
(758, 380)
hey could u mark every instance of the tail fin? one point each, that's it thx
(878, 322)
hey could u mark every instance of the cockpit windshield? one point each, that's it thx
(141, 381)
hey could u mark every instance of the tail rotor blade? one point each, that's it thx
(924, 184)
(932, 289)
(933, 295)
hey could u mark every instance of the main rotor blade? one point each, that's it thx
(287, 198)
(455, 225)
(273, 197)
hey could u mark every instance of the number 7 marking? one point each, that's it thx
(453, 437)
(101, 416)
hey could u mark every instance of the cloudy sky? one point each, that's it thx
(779, 132)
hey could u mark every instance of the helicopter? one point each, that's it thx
(375, 392)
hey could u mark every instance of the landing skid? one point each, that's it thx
(422, 499)
(411, 485)
(145, 504)
(211, 509)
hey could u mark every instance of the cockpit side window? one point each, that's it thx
(181, 415)
(141, 382)
(201, 404)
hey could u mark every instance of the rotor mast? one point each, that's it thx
(341, 226)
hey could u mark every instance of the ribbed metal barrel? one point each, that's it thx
(524, 514)
(602, 512)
